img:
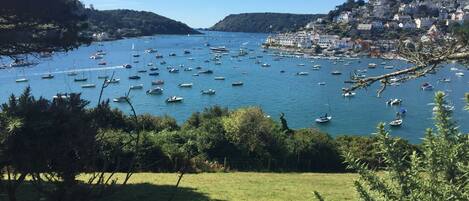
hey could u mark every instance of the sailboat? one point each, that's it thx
(22, 79)
(326, 118)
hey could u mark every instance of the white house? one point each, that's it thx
(326, 41)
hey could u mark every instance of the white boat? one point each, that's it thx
(219, 78)
(127, 66)
(174, 99)
(157, 82)
(113, 81)
(235, 84)
(150, 64)
(121, 99)
(88, 86)
(73, 73)
(302, 73)
(188, 69)
(372, 65)
(317, 66)
(135, 87)
(265, 65)
(460, 74)
(388, 67)
(186, 85)
(349, 94)
(323, 119)
(61, 95)
(445, 80)
(220, 49)
(395, 101)
(47, 76)
(155, 91)
(22, 80)
(208, 92)
(150, 50)
(396, 122)
(301, 64)
(96, 57)
(426, 86)
(336, 72)
(321, 83)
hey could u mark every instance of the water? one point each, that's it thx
(299, 97)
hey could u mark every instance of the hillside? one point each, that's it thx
(129, 23)
(263, 22)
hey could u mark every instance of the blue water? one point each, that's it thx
(299, 97)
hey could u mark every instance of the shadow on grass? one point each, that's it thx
(130, 192)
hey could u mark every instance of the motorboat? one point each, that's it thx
(135, 87)
(323, 119)
(113, 81)
(265, 65)
(158, 56)
(61, 96)
(150, 50)
(349, 94)
(142, 71)
(96, 57)
(186, 85)
(155, 91)
(396, 122)
(187, 52)
(219, 78)
(426, 86)
(206, 72)
(188, 69)
(154, 69)
(445, 80)
(163, 62)
(173, 70)
(157, 82)
(395, 101)
(336, 73)
(459, 74)
(220, 49)
(372, 65)
(388, 67)
(302, 73)
(174, 99)
(154, 74)
(88, 86)
(121, 99)
(208, 92)
(172, 54)
(47, 76)
(73, 73)
(150, 64)
(22, 80)
(84, 79)
(103, 63)
(301, 64)
(134, 77)
(235, 84)
(321, 83)
(135, 55)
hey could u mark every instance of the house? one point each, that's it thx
(424, 23)
(364, 27)
(344, 17)
(377, 25)
(408, 25)
(327, 41)
(102, 36)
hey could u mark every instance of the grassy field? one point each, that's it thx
(239, 186)
(228, 186)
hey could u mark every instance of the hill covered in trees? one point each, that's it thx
(130, 23)
(264, 22)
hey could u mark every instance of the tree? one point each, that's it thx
(440, 172)
(29, 26)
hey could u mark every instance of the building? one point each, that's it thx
(364, 27)
(424, 23)
(327, 41)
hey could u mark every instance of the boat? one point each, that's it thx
(302, 73)
(163, 62)
(113, 81)
(372, 65)
(47, 76)
(155, 91)
(61, 96)
(88, 86)
(321, 83)
(220, 49)
(186, 85)
(22, 80)
(388, 67)
(154, 69)
(157, 82)
(154, 74)
(336, 72)
(173, 70)
(445, 80)
(206, 72)
(73, 73)
(198, 68)
(103, 63)
(84, 79)
(135, 87)
(96, 57)
(134, 77)
(142, 71)
(121, 99)
(135, 55)
(301, 64)
(426, 86)
(172, 54)
(150, 50)
(208, 92)
(150, 64)
(103, 76)
(349, 94)
(317, 66)
(460, 74)
(174, 99)
(195, 74)
(396, 122)
(395, 101)
(219, 78)
(323, 119)
(235, 84)
(187, 52)
(188, 69)
(265, 65)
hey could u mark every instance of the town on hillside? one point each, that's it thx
(373, 28)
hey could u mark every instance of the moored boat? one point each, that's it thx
(135, 87)
(155, 91)
(186, 85)
(237, 84)
(174, 99)
(157, 82)
(208, 92)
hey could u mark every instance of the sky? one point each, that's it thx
(205, 13)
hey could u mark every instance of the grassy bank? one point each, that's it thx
(239, 186)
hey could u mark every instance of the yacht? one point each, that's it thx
(208, 92)
(154, 74)
(336, 72)
(121, 99)
(174, 99)
(135, 87)
(219, 78)
(265, 65)
(186, 85)
(22, 80)
(88, 86)
(323, 119)
(237, 84)
(426, 86)
(47, 76)
(155, 91)
(302, 73)
(372, 65)
(134, 77)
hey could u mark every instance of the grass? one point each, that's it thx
(246, 186)
(231, 186)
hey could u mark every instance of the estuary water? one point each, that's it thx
(301, 98)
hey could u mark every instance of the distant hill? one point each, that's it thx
(130, 23)
(264, 22)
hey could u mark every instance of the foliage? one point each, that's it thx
(263, 22)
(28, 26)
(129, 23)
(440, 172)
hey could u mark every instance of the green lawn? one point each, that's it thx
(239, 186)
(227, 186)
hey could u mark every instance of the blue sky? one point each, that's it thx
(205, 13)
